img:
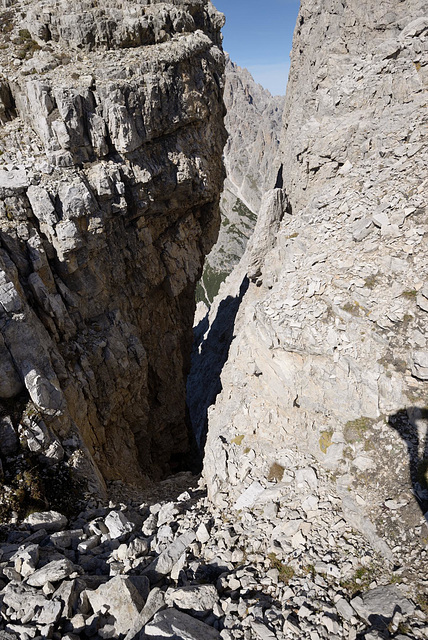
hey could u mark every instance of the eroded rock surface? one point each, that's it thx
(253, 121)
(325, 354)
(111, 143)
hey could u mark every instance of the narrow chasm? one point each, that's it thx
(109, 194)
(285, 496)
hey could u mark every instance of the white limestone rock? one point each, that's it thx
(320, 359)
(52, 572)
(420, 365)
(14, 179)
(48, 520)
(382, 602)
(249, 496)
(199, 598)
(172, 623)
(118, 524)
(155, 602)
(120, 598)
(164, 563)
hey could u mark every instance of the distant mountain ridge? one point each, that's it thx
(253, 122)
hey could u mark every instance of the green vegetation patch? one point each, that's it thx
(410, 294)
(28, 45)
(276, 472)
(355, 430)
(325, 440)
(422, 600)
(208, 287)
(6, 21)
(370, 281)
(286, 572)
(309, 570)
(24, 35)
(360, 580)
(237, 440)
(243, 211)
(351, 307)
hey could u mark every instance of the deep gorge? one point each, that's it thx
(311, 365)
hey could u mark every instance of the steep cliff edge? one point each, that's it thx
(323, 394)
(253, 122)
(111, 146)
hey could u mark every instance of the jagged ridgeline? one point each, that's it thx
(111, 170)
(253, 121)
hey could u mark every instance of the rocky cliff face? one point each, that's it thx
(324, 384)
(253, 121)
(298, 539)
(111, 146)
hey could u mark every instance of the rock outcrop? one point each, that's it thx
(325, 358)
(111, 148)
(253, 121)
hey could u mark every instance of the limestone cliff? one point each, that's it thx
(253, 122)
(111, 146)
(326, 357)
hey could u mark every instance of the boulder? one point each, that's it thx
(176, 624)
(119, 598)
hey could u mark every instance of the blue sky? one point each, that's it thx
(258, 36)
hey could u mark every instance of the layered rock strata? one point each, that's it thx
(111, 148)
(326, 355)
(253, 122)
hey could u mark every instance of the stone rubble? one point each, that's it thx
(272, 570)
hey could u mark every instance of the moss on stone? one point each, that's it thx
(276, 472)
(286, 572)
(355, 429)
(325, 440)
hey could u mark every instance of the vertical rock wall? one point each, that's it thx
(326, 363)
(111, 143)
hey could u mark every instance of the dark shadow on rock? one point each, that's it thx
(208, 358)
(412, 425)
(380, 625)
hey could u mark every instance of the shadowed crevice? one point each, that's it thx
(210, 353)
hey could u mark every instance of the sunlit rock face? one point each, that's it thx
(253, 121)
(111, 141)
(325, 361)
